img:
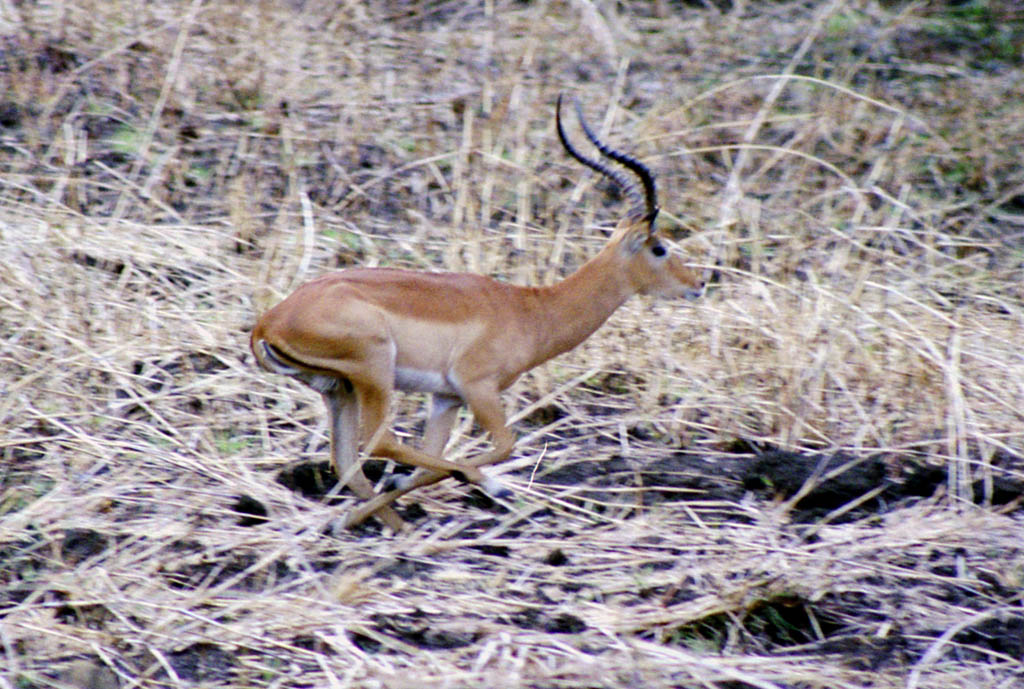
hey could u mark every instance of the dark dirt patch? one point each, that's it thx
(81, 544)
(20, 561)
(687, 476)
(251, 511)
(543, 416)
(90, 615)
(202, 662)
(924, 480)
(194, 565)
(311, 479)
(89, 673)
(780, 474)
(862, 652)
(830, 482)
(1004, 636)
(417, 628)
(556, 558)
(315, 479)
(406, 568)
(538, 619)
(476, 499)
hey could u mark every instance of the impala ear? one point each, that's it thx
(635, 239)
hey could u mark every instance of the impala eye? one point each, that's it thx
(658, 250)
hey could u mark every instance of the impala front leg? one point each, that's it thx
(421, 479)
(484, 400)
(444, 409)
(486, 407)
(381, 442)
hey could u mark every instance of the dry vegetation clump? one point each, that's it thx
(810, 478)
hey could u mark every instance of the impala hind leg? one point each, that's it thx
(343, 410)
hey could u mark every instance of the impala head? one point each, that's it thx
(645, 258)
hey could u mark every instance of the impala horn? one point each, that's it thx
(645, 206)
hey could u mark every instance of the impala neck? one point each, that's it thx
(571, 310)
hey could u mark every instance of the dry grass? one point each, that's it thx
(171, 169)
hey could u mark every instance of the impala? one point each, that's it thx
(357, 335)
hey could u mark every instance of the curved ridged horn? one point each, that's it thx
(646, 206)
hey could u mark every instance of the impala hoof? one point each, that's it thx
(496, 489)
(398, 482)
(491, 486)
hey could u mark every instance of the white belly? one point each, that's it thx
(415, 380)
